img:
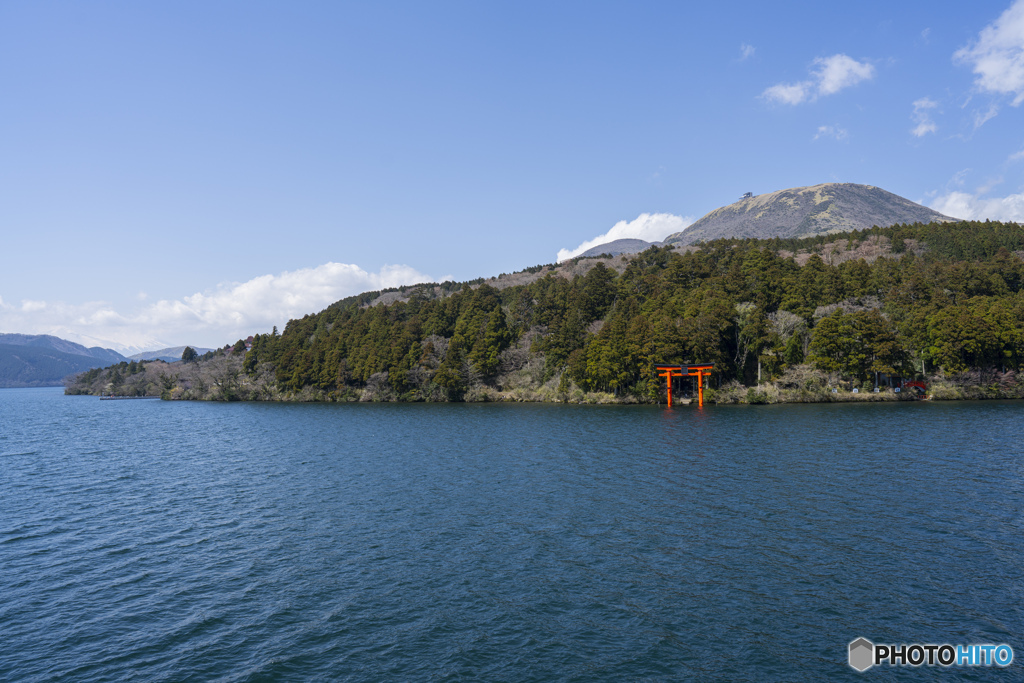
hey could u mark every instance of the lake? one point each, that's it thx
(169, 541)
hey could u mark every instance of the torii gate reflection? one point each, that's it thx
(700, 371)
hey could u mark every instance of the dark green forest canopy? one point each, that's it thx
(948, 295)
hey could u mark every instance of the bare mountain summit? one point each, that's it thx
(807, 211)
(616, 247)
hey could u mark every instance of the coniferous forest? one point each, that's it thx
(781, 319)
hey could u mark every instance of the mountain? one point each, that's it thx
(128, 342)
(169, 354)
(805, 212)
(42, 360)
(616, 247)
(46, 341)
(34, 366)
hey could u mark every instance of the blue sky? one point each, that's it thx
(193, 172)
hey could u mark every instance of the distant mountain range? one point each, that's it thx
(31, 366)
(805, 212)
(41, 360)
(128, 341)
(47, 341)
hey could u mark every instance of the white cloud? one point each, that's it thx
(212, 318)
(923, 128)
(997, 58)
(922, 117)
(652, 227)
(830, 75)
(973, 207)
(1016, 156)
(746, 51)
(834, 132)
(29, 306)
(839, 71)
(789, 93)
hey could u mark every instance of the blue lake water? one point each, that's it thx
(168, 541)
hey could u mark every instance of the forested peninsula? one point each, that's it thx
(782, 320)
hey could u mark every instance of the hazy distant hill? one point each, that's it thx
(807, 211)
(42, 360)
(34, 366)
(169, 354)
(47, 341)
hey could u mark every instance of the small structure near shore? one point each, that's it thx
(699, 370)
(918, 387)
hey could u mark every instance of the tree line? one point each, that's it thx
(944, 295)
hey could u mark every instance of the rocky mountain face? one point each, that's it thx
(807, 211)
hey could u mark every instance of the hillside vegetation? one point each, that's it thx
(781, 319)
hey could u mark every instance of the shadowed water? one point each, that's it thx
(159, 541)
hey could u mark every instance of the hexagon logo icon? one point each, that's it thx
(862, 654)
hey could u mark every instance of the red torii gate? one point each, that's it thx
(700, 371)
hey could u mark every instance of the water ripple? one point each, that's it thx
(166, 541)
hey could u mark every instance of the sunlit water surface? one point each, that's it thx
(159, 541)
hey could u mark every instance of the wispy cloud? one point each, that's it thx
(981, 117)
(989, 185)
(790, 93)
(829, 76)
(975, 207)
(834, 132)
(922, 117)
(1016, 156)
(997, 57)
(960, 177)
(652, 227)
(212, 318)
(746, 51)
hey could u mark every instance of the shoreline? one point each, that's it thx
(758, 398)
(224, 380)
